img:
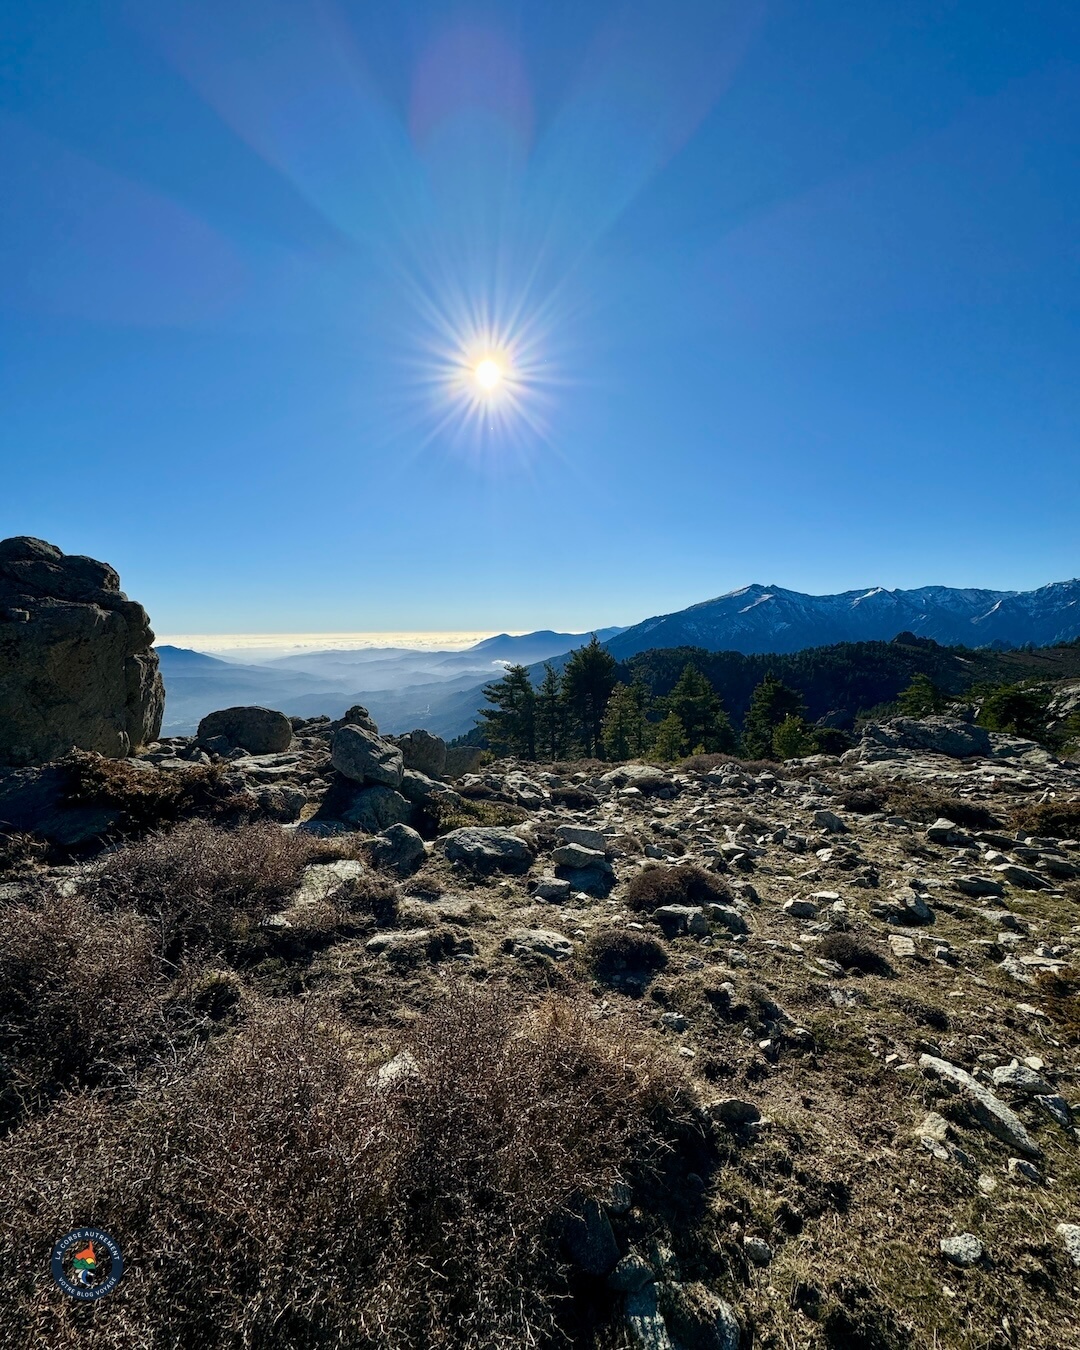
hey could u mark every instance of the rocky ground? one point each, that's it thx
(863, 971)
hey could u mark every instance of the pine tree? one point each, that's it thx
(625, 730)
(770, 703)
(510, 723)
(704, 721)
(670, 741)
(550, 716)
(588, 680)
(920, 698)
(793, 739)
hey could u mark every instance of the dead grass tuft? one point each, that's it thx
(151, 798)
(914, 802)
(674, 885)
(854, 954)
(1060, 993)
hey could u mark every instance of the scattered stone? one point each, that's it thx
(1020, 1078)
(676, 920)
(554, 890)
(586, 838)
(590, 1241)
(963, 1249)
(757, 1250)
(578, 857)
(731, 919)
(830, 822)
(399, 848)
(1057, 1107)
(800, 909)
(992, 1112)
(1070, 1232)
(538, 942)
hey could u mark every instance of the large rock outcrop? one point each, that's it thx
(77, 668)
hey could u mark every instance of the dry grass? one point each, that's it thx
(674, 885)
(1060, 996)
(281, 1196)
(203, 886)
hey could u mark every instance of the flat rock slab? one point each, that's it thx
(322, 879)
(487, 848)
(993, 1112)
(538, 942)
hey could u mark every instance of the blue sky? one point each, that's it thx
(784, 293)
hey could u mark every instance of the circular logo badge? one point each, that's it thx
(86, 1263)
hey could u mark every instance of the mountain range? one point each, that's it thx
(442, 691)
(771, 619)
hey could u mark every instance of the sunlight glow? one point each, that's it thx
(488, 374)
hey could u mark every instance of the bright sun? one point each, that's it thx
(488, 374)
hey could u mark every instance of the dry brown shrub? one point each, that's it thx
(1060, 996)
(622, 952)
(152, 798)
(203, 885)
(681, 884)
(80, 997)
(914, 802)
(1055, 820)
(284, 1197)
(854, 954)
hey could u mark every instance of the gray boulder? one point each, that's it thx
(399, 848)
(376, 808)
(462, 759)
(487, 848)
(538, 942)
(936, 735)
(365, 757)
(356, 716)
(259, 731)
(423, 752)
(77, 665)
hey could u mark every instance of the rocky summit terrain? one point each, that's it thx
(360, 1041)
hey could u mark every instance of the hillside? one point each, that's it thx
(849, 678)
(594, 1056)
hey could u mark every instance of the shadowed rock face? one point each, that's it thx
(76, 661)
